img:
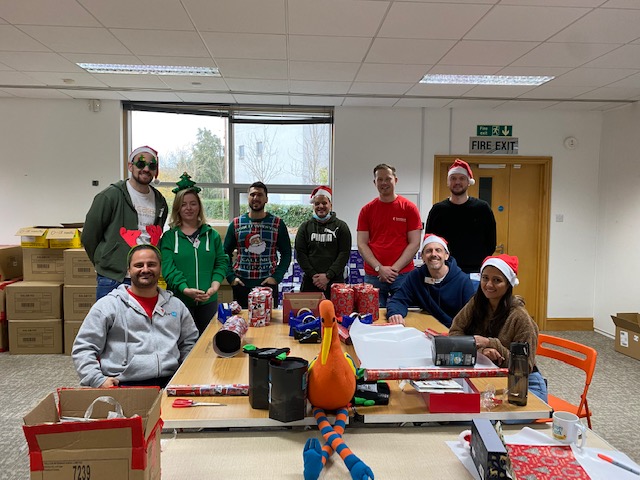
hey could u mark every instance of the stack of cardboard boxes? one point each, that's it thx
(79, 292)
(10, 272)
(35, 305)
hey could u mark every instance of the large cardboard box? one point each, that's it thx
(35, 336)
(292, 302)
(33, 237)
(34, 300)
(10, 262)
(70, 331)
(627, 334)
(78, 269)
(78, 300)
(43, 264)
(64, 238)
(225, 294)
(105, 449)
(4, 325)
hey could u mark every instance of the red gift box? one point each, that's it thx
(465, 401)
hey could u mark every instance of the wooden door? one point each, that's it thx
(516, 188)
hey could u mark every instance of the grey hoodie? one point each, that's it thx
(117, 339)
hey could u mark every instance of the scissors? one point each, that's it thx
(186, 403)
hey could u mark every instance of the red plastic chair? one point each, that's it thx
(587, 364)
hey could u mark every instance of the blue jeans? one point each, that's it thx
(105, 284)
(386, 289)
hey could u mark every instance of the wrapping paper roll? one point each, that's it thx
(228, 340)
(435, 373)
(367, 300)
(260, 305)
(343, 298)
(233, 389)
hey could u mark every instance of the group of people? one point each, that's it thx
(132, 335)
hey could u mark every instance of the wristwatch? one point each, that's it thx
(377, 269)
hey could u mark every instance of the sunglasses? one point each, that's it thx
(141, 164)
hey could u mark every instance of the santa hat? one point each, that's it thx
(507, 264)
(247, 241)
(433, 238)
(321, 190)
(463, 168)
(145, 149)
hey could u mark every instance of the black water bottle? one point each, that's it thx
(519, 373)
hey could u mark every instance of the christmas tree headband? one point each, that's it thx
(185, 183)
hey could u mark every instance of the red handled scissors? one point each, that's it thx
(186, 403)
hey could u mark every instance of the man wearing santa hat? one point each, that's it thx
(262, 248)
(466, 222)
(119, 217)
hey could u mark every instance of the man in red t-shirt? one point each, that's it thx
(389, 230)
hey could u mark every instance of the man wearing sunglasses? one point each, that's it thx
(122, 215)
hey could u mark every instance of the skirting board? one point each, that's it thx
(560, 324)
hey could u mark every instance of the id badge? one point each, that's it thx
(196, 243)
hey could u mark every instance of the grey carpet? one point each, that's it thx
(25, 379)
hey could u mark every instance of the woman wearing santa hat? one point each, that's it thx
(323, 245)
(495, 317)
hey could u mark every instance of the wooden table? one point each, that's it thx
(204, 367)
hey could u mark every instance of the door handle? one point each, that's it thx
(500, 249)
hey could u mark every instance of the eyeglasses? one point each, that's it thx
(141, 164)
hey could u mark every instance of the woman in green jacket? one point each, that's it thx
(193, 261)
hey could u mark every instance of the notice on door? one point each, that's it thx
(494, 145)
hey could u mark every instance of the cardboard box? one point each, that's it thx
(78, 269)
(10, 262)
(43, 264)
(78, 300)
(627, 334)
(35, 336)
(64, 238)
(70, 331)
(465, 401)
(4, 325)
(34, 300)
(292, 301)
(488, 452)
(225, 294)
(33, 237)
(118, 448)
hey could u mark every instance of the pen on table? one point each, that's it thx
(619, 464)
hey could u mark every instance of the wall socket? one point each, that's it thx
(95, 183)
(559, 217)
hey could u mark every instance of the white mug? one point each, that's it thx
(567, 428)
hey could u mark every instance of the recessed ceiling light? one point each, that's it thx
(149, 69)
(485, 79)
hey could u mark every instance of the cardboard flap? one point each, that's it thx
(44, 412)
(62, 233)
(32, 231)
(627, 321)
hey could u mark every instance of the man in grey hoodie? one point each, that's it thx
(136, 335)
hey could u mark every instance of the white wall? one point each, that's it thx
(52, 149)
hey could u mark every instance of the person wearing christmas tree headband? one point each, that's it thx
(193, 260)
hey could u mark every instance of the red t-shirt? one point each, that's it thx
(148, 303)
(388, 225)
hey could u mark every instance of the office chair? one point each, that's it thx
(587, 364)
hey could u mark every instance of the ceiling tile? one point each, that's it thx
(246, 45)
(77, 39)
(631, 81)
(464, 69)
(138, 96)
(157, 14)
(439, 90)
(611, 93)
(316, 101)
(242, 16)
(563, 54)
(555, 3)
(205, 97)
(369, 102)
(187, 82)
(400, 50)
(263, 99)
(57, 79)
(38, 62)
(523, 23)
(37, 93)
(592, 77)
(622, 4)
(46, 12)
(627, 56)
(355, 18)
(550, 91)
(480, 52)
(254, 85)
(238, 68)
(474, 104)
(518, 105)
(131, 81)
(99, 94)
(100, 58)
(498, 91)
(323, 71)
(383, 72)
(381, 88)
(431, 20)
(423, 102)
(578, 105)
(161, 42)
(13, 39)
(17, 78)
(327, 88)
(544, 71)
(327, 49)
(603, 26)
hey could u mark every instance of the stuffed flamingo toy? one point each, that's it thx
(332, 384)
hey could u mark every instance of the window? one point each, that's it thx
(226, 149)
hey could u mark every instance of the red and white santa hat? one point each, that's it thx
(145, 149)
(507, 264)
(461, 167)
(321, 190)
(433, 238)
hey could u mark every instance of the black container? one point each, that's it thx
(288, 389)
(259, 382)
(518, 373)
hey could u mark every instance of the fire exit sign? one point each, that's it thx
(494, 130)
